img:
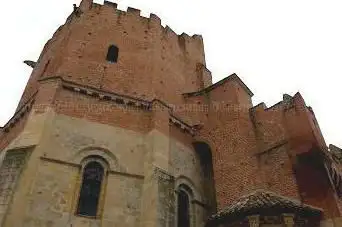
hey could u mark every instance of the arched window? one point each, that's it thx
(90, 189)
(183, 209)
(113, 54)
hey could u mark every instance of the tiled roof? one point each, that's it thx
(264, 202)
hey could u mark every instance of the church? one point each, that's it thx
(120, 125)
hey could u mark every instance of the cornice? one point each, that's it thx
(120, 99)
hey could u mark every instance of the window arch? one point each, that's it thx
(112, 54)
(184, 206)
(90, 189)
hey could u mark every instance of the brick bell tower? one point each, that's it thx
(120, 125)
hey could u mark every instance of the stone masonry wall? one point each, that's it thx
(186, 168)
(52, 192)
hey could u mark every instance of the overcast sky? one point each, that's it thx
(275, 46)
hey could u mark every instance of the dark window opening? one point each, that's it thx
(183, 209)
(90, 190)
(204, 154)
(113, 54)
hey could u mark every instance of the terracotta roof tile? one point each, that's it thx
(263, 202)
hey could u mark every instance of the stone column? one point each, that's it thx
(158, 189)
(288, 220)
(254, 221)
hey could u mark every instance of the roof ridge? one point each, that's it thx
(263, 194)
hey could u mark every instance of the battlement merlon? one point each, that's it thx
(288, 101)
(111, 4)
(292, 120)
(87, 5)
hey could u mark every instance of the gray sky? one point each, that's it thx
(275, 46)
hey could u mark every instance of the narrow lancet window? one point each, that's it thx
(90, 189)
(183, 209)
(113, 54)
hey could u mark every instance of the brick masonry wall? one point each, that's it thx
(153, 62)
(316, 190)
(48, 62)
(105, 112)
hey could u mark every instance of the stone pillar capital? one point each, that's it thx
(288, 220)
(254, 220)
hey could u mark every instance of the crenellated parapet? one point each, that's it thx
(288, 120)
(152, 61)
(88, 5)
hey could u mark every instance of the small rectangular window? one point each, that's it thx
(113, 53)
